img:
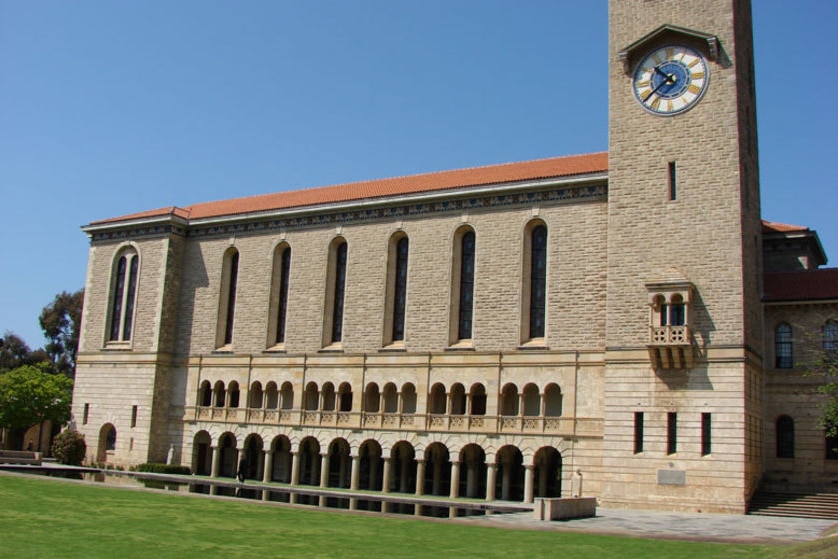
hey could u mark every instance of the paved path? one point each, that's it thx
(673, 525)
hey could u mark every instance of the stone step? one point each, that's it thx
(819, 505)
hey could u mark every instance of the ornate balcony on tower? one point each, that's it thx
(670, 338)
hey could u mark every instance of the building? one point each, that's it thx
(487, 332)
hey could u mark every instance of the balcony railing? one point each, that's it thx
(670, 347)
(564, 426)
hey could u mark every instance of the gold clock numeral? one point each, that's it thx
(697, 75)
(694, 62)
(670, 52)
(655, 104)
(669, 106)
(643, 84)
(694, 89)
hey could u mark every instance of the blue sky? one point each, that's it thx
(112, 107)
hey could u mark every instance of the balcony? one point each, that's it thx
(486, 424)
(670, 347)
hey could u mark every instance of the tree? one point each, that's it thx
(69, 447)
(825, 364)
(29, 396)
(60, 321)
(15, 353)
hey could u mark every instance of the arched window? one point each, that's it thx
(124, 295)
(477, 397)
(327, 397)
(233, 394)
(279, 294)
(462, 292)
(783, 354)
(535, 282)
(255, 395)
(391, 398)
(372, 398)
(286, 396)
(227, 299)
(408, 398)
(220, 394)
(830, 336)
(336, 282)
(271, 396)
(785, 437)
(205, 394)
(396, 288)
(345, 396)
(674, 312)
(310, 402)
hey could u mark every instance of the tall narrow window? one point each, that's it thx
(706, 434)
(785, 437)
(464, 328)
(86, 415)
(133, 416)
(783, 351)
(671, 433)
(537, 281)
(673, 185)
(227, 306)
(638, 432)
(124, 297)
(279, 293)
(398, 282)
(830, 336)
(336, 286)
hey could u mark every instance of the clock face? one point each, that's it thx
(670, 80)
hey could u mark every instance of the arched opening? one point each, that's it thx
(509, 400)
(408, 399)
(477, 394)
(403, 468)
(229, 455)
(437, 399)
(548, 472)
(252, 465)
(205, 394)
(458, 399)
(202, 454)
(437, 470)
(255, 395)
(532, 401)
(372, 400)
(107, 442)
(391, 398)
(287, 395)
(309, 458)
(340, 464)
(271, 396)
(233, 395)
(345, 396)
(509, 484)
(372, 466)
(220, 394)
(472, 472)
(310, 402)
(553, 400)
(282, 460)
(328, 396)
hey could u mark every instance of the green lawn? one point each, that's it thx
(42, 517)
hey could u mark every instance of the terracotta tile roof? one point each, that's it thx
(774, 227)
(414, 184)
(808, 285)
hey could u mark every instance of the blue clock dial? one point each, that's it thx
(670, 80)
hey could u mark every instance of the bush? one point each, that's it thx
(69, 447)
(155, 468)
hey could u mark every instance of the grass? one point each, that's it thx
(42, 518)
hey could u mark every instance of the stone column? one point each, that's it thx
(455, 480)
(420, 477)
(385, 484)
(491, 476)
(216, 461)
(295, 468)
(356, 473)
(267, 474)
(529, 475)
(324, 470)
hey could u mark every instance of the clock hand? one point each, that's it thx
(669, 79)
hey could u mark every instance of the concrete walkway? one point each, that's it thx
(672, 525)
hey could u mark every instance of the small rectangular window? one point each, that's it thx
(638, 432)
(673, 187)
(133, 416)
(671, 433)
(86, 414)
(706, 434)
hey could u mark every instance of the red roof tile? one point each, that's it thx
(414, 184)
(774, 227)
(808, 285)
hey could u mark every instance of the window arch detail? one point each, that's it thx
(335, 293)
(227, 298)
(123, 295)
(462, 287)
(783, 346)
(534, 288)
(279, 295)
(396, 303)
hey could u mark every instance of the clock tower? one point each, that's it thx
(683, 337)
